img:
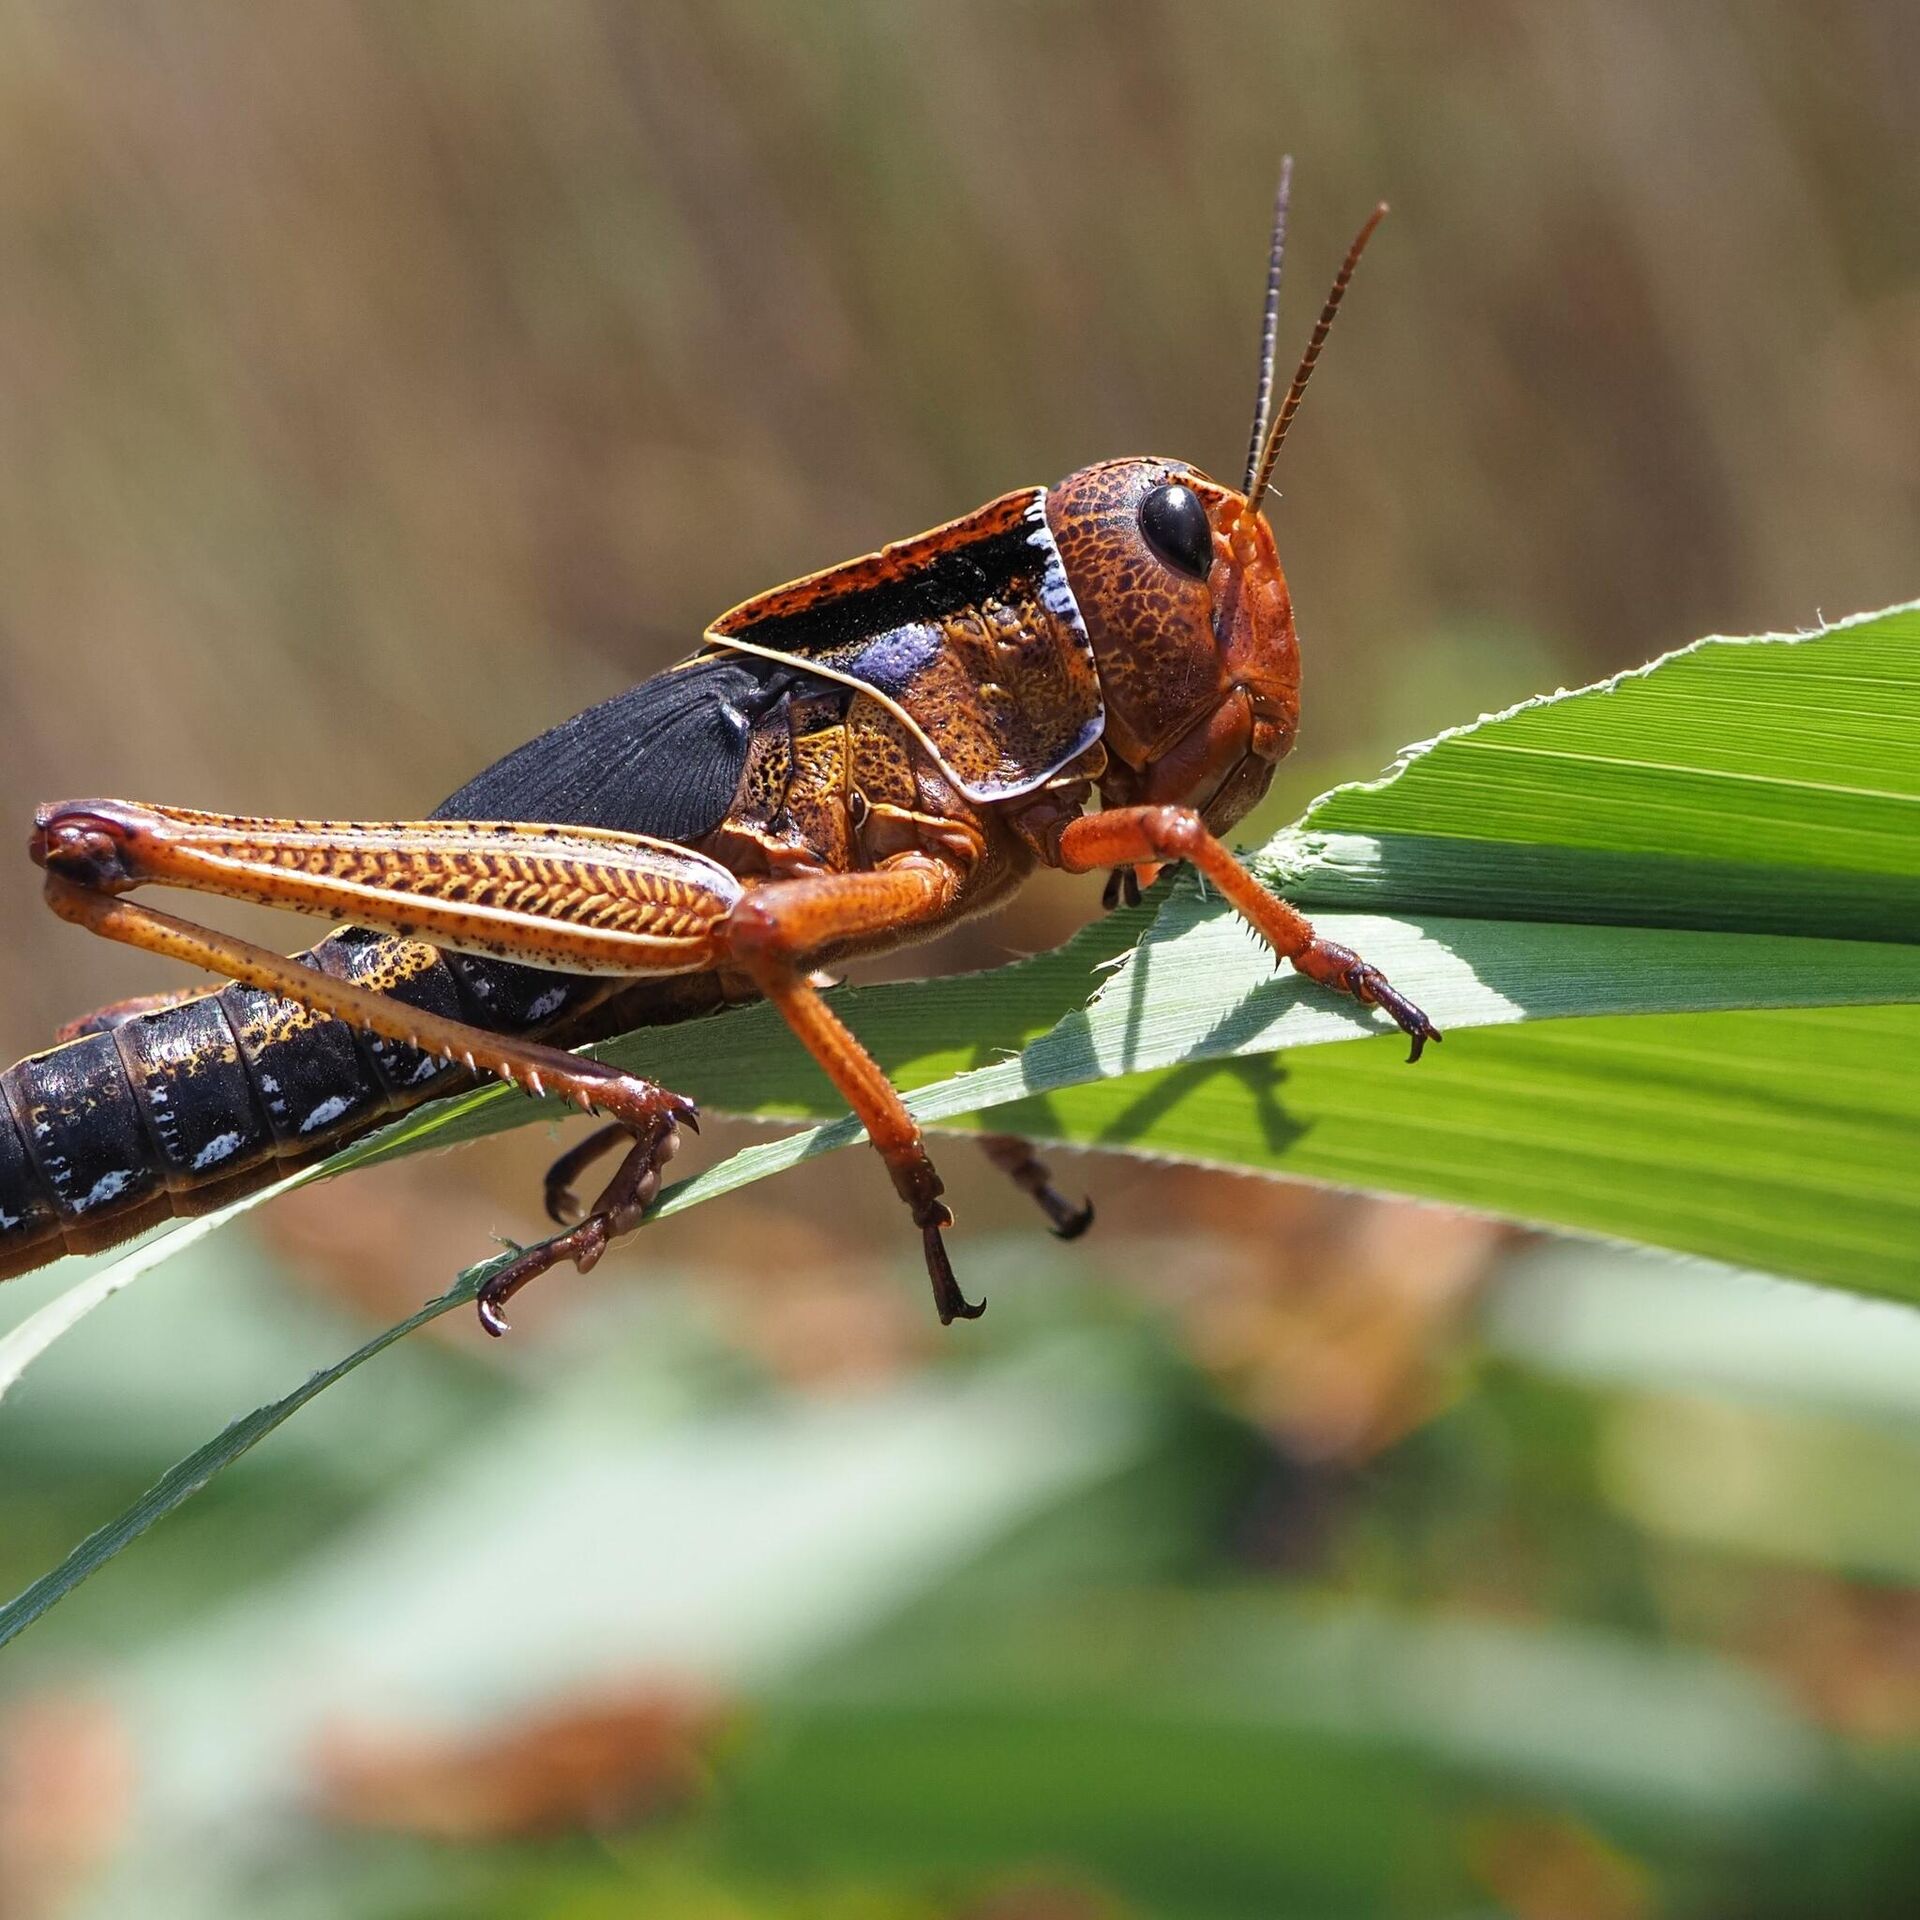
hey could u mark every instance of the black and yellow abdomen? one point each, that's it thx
(187, 1106)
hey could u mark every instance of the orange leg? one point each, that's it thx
(648, 1115)
(567, 898)
(1126, 836)
(540, 1070)
(775, 934)
(576, 899)
(640, 907)
(570, 898)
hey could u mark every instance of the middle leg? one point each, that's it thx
(1016, 1158)
(775, 934)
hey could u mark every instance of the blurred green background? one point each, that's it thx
(379, 385)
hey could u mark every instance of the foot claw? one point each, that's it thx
(1372, 988)
(1070, 1223)
(949, 1302)
(1015, 1157)
(1404, 1014)
(651, 1143)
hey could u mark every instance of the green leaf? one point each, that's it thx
(1770, 785)
(184, 1479)
(1671, 924)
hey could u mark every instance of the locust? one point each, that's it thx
(1097, 676)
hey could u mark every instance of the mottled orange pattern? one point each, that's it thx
(968, 632)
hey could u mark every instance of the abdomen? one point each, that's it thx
(184, 1108)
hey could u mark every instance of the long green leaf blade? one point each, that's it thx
(1768, 784)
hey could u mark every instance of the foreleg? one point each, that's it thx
(1125, 836)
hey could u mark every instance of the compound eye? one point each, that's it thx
(1175, 524)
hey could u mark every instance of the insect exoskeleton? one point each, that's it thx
(1097, 676)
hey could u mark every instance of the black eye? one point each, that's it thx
(1175, 524)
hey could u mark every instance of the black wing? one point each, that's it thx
(663, 759)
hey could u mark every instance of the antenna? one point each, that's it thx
(1308, 360)
(1269, 323)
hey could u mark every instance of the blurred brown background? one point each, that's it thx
(381, 384)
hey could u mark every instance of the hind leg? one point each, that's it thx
(621, 1208)
(562, 1203)
(570, 899)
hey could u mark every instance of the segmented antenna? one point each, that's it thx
(1291, 405)
(1269, 323)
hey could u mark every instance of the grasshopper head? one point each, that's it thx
(1185, 601)
(1192, 631)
